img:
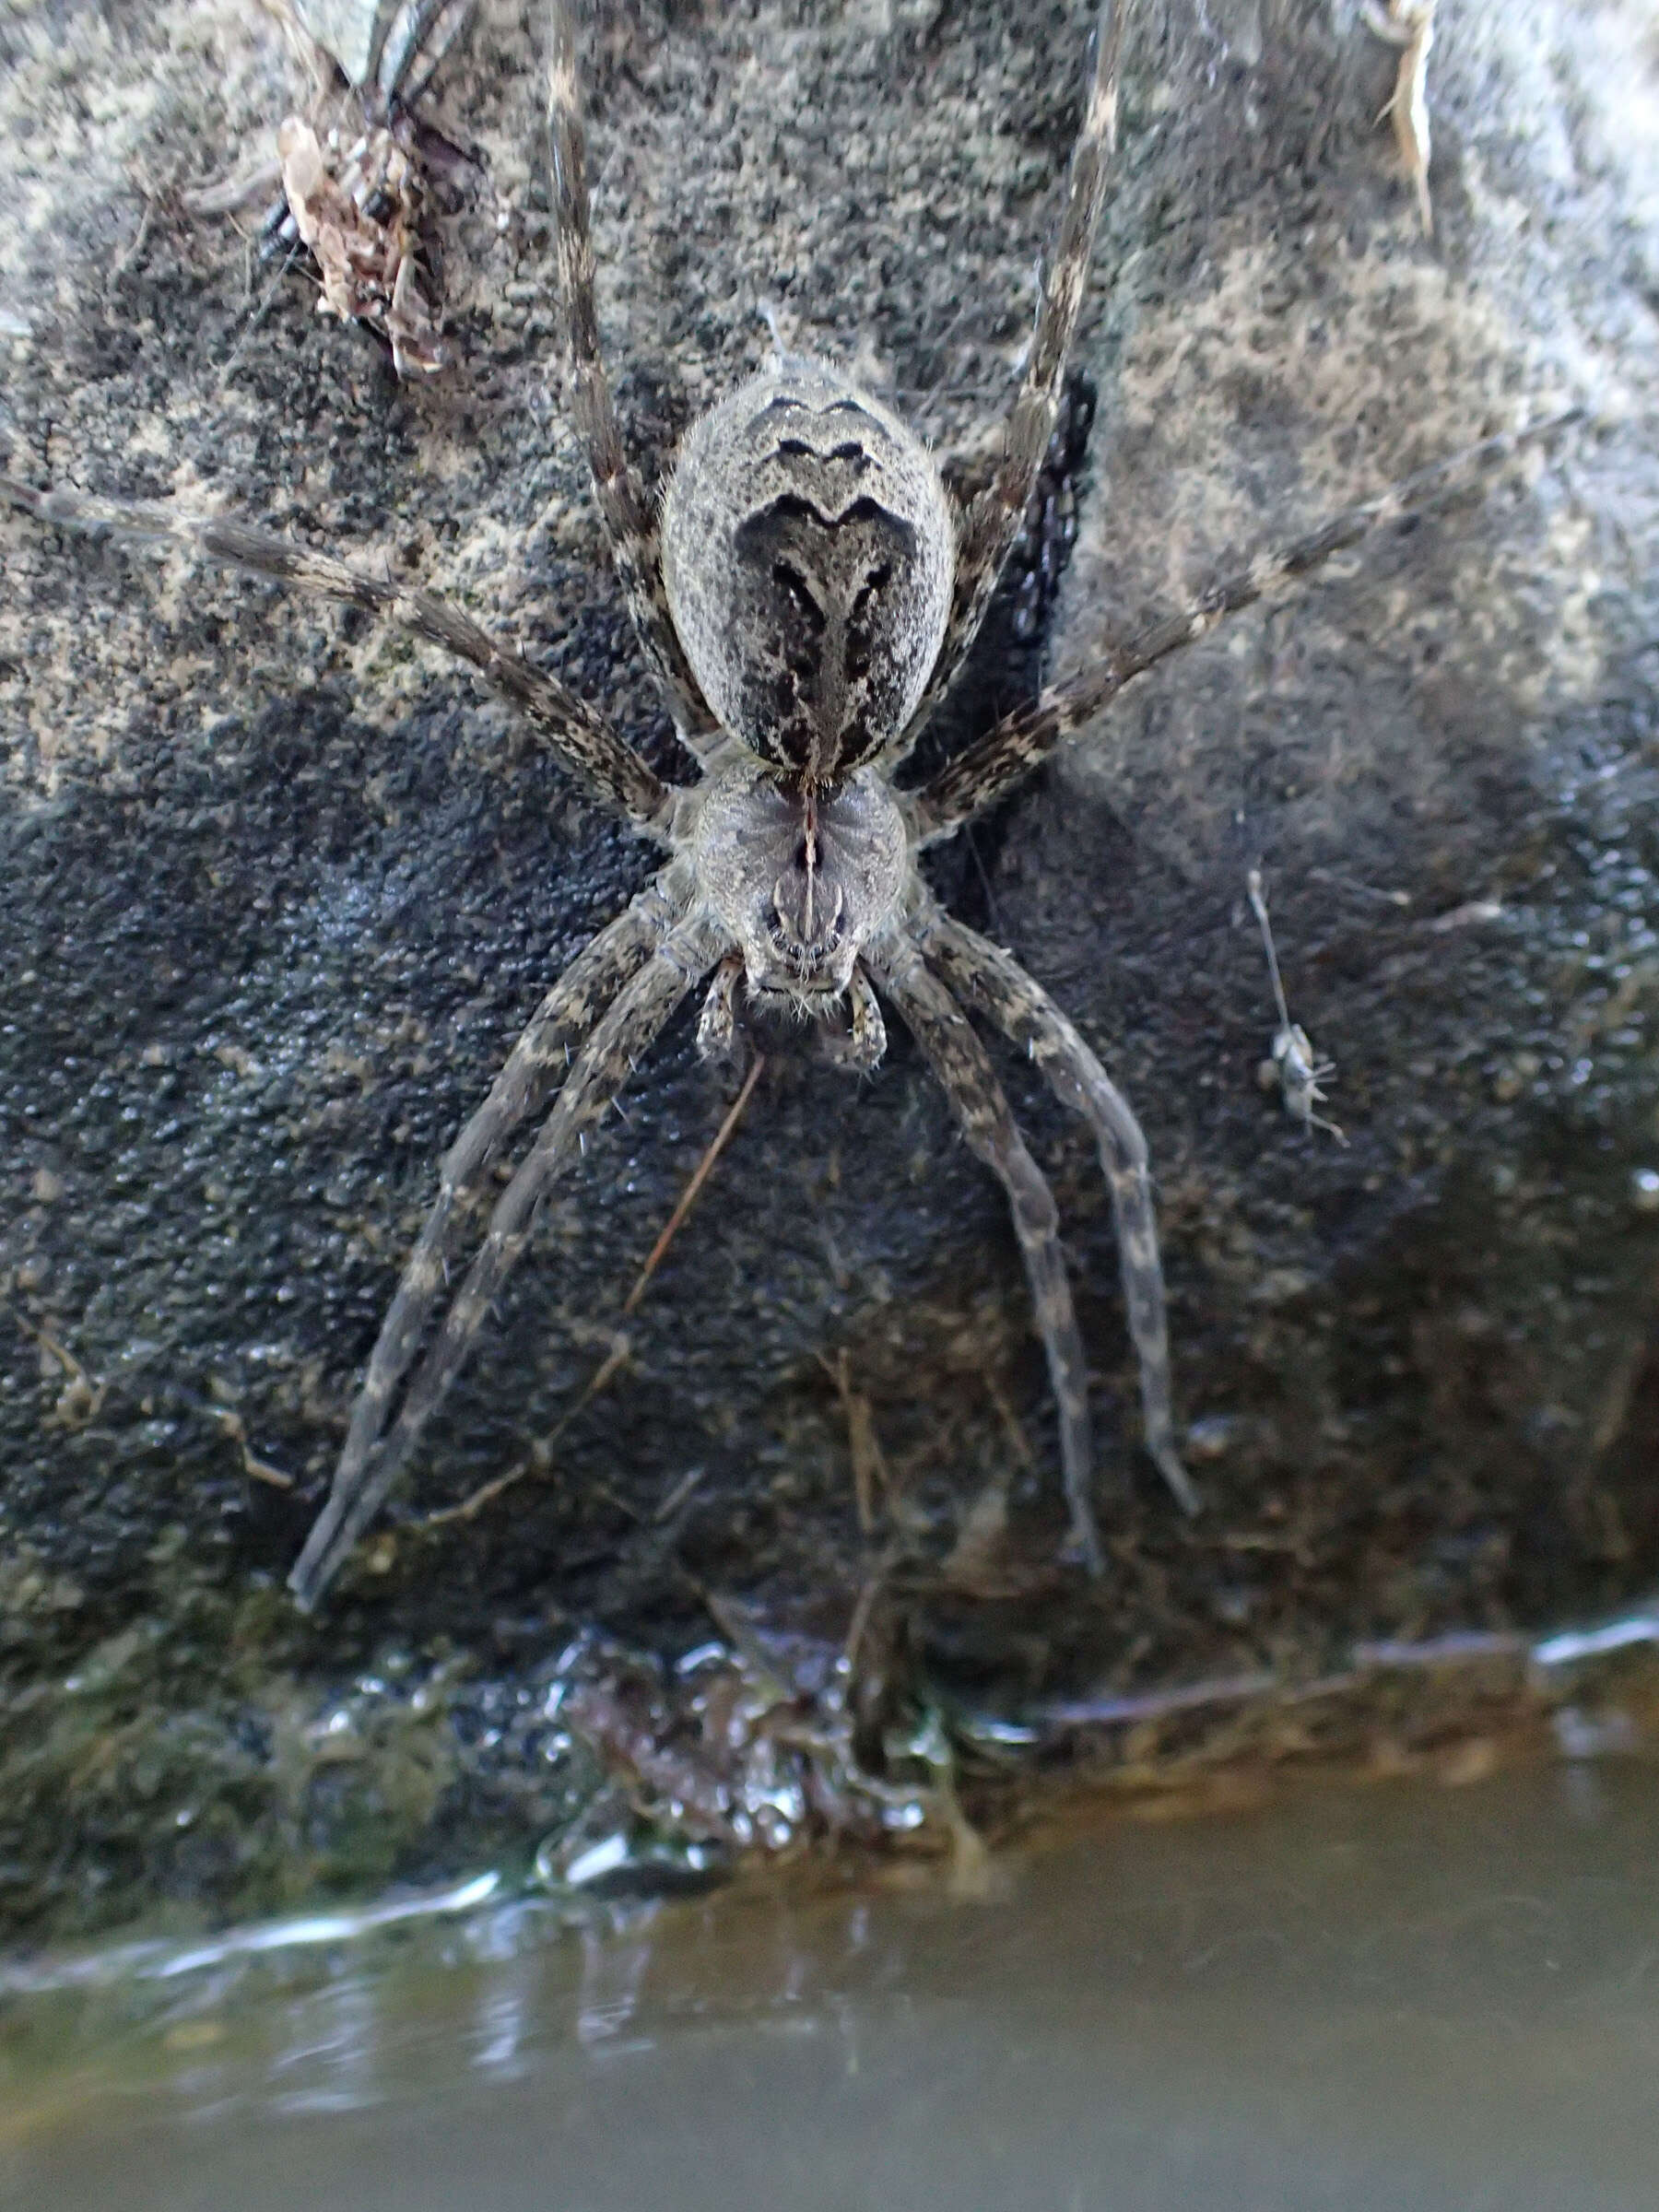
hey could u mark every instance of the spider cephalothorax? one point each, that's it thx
(805, 603)
(801, 877)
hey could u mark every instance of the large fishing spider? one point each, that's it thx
(805, 597)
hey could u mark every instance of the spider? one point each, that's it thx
(804, 597)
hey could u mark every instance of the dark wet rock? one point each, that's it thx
(279, 891)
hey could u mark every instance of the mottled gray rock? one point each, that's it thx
(279, 890)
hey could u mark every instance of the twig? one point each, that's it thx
(617, 1357)
(693, 1189)
(1460, 917)
(81, 1398)
(1011, 1424)
(1410, 26)
(678, 1496)
(469, 1508)
(869, 1463)
(259, 1470)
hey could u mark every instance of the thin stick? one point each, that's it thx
(255, 1468)
(89, 1405)
(869, 1461)
(690, 1196)
(469, 1508)
(678, 1496)
(617, 1358)
(1253, 884)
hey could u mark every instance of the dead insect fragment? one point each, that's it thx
(361, 208)
(1409, 25)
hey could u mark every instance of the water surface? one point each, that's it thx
(1355, 1997)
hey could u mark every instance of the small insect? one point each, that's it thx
(806, 595)
(1293, 1070)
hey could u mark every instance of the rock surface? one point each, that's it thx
(280, 890)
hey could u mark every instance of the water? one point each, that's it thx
(1394, 1995)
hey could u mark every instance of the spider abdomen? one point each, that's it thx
(809, 553)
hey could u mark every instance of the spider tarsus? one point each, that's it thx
(719, 1039)
(634, 1020)
(1083, 1547)
(992, 981)
(1180, 1484)
(859, 1049)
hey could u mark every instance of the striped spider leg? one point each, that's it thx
(630, 527)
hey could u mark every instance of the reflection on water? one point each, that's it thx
(1344, 1997)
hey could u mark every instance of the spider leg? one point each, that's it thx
(863, 1049)
(420, 35)
(630, 524)
(963, 1069)
(598, 1074)
(536, 1065)
(717, 1038)
(860, 1048)
(978, 777)
(582, 739)
(991, 522)
(992, 981)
